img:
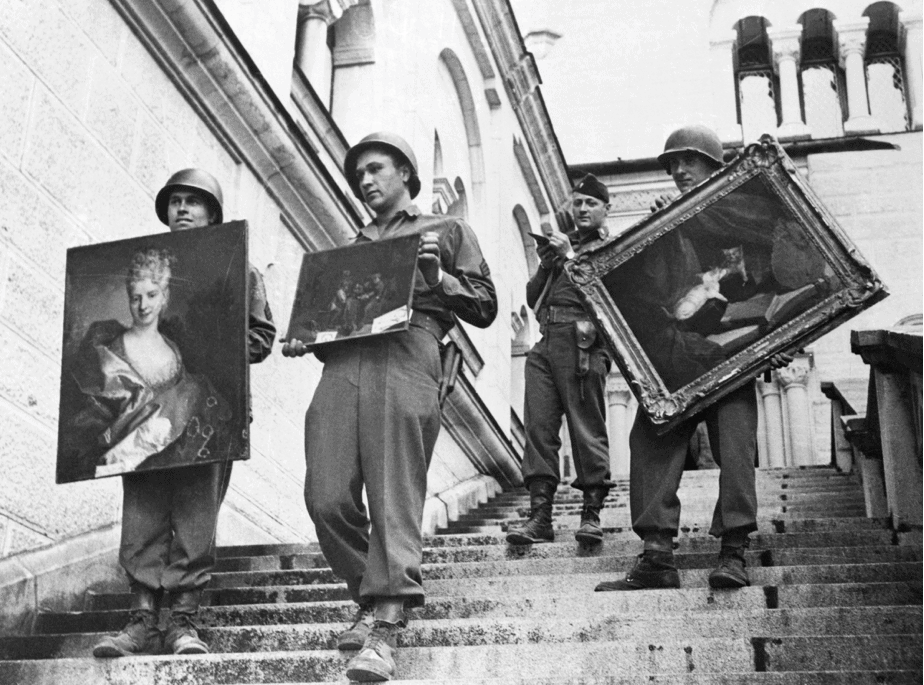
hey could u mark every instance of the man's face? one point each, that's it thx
(689, 169)
(588, 212)
(187, 209)
(381, 182)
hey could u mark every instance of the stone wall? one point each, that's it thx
(91, 130)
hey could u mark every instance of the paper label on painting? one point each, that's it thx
(389, 319)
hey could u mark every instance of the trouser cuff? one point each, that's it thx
(661, 541)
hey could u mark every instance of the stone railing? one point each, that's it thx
(883, 444)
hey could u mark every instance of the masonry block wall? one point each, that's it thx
(877, 199)
(90, 128)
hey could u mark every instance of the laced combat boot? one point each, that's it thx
(653, 570)
(182, 636)
(141, 634)
(590, 532)
(732, 572)
(355, 636)
(538, 528)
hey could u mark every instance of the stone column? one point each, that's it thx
(773, 425)
(911, 23)
(312, 54)
(794, 380)
(851, 41)
(617, 401)
(786, 43)
(722, 71)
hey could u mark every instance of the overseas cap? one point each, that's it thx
(590, 185)
(696, 138)
(381, 139)
(197, 180)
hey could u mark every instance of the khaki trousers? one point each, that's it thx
(168, 525)
(373, 422)
(656, 466)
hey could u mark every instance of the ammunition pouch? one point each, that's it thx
(585, 337)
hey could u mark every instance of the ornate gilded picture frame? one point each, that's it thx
(154, 371)
(695, 299)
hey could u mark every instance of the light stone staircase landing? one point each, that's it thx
(836, 599)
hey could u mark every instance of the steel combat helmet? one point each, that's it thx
(389, 141)
(196, 180)
(694, 138)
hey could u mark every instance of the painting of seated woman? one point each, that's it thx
(154, 371)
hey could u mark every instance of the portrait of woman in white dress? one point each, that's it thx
(140, 408)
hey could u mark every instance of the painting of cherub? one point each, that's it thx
(153, 375)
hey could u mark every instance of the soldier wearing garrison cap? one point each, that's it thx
(169, 516)
(566, 376)
(375, 415)
(691, 155)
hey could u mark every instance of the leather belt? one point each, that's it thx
(552, 314)
(429, 323)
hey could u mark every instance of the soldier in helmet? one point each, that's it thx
(691, 155)
(566, 375)
(375, 415)
(169, 517)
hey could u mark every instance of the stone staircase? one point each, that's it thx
(836, 598)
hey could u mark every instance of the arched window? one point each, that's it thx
(529, 245)
(822, 78)
(884, 69)
(756, 83)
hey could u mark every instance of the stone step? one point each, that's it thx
(853, 503)
(704, 492)
(565, 546)
(764, 526)
(591, 564)
(518, 604)
(763, 678)
(694, 588)
(597, 624)
(633, 658)
(688, 519)
(573, 495)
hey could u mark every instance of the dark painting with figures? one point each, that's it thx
(154, 369)
(355, 291)
(696, 299)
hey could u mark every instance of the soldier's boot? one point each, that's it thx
(590, 532)
(538, 528)
(141, 634)
(654, 570)
(355, 636)
(732, 572)
(182, 636)
(376, 660)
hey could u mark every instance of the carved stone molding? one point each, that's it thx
(851, 38)
(786, 44)
(793, 375)
(328, 10)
